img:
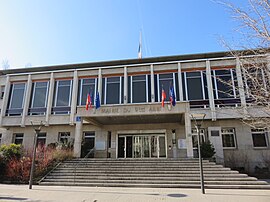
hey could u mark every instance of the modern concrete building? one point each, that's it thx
(131, 122)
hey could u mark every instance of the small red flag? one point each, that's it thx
(88, 102)
(163, 97)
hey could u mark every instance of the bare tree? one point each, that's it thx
(5, 64)
(254, 59)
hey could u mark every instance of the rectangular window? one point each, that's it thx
(39, 98)
(18, 138)
(195, 85)
(259, 137)
(138, 89)
(113, 90)
(165, 82)
(62, 97)
(224, 83)
(41, 139)
(87, 86)
(16, 99)
(2, 92)
(228, 138)
(64, 137)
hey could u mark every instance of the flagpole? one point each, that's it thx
(140, 46)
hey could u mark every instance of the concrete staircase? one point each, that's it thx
(163, 173)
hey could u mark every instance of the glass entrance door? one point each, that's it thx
(142, 146)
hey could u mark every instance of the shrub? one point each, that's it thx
(207, 149)
(11, 151)
(19, 169)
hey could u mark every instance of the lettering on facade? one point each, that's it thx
(128, 110)
(155, 109)
(140, 109)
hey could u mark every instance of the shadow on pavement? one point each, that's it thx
(12, 198)
(177, 195)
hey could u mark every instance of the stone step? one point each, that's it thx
(164, 173)
(159, 185)
(147, 171)
(143, 168)
(150, 174)
(159, 181)
(136, 166)
(152, 178)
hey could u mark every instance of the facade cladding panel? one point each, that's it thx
(131, 123)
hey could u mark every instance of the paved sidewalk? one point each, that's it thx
(10, 193)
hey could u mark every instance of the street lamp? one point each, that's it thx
(37, 129)
(198, 124)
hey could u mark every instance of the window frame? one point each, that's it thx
(131, 88)
(12, 92)
(255, 131)
(202, 84)
(158, 85)
(56, 92)
(120, 89)
(46, 97)
(16, 137)
(39, 137)
(229, 133)
(215, 88)
(63, 135)
(81, 89)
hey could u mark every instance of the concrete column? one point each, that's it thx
(240, 84)
(50, 99)
(100, 84)
(78, 137)
(74, 97)
(27, 96)
(125, 86)
(210, 90)
(5, 99)
(180, 82)
(152, 84)
(188, 133)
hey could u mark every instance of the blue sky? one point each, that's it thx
(67, 31)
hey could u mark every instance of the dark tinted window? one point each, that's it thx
(138, 89)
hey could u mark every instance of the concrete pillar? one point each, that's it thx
(174, 145)
(152, 84)
(180, 82)
(210, 90)
(27, 96)
(5, 99)
(100, 84)
(125, 86)
(74, 97)
(188, 133)
(240, 84)
(50, 99)
(78, 137)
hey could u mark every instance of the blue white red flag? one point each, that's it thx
(172, 96)
(97, 101)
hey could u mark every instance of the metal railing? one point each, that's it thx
(49, 172)
(81, 161)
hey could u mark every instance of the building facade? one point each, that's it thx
(131, 122)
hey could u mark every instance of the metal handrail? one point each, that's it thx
(81, 160)
(49, 172)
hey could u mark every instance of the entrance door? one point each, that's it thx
(88, 144)
(121, 147)
(142, 146)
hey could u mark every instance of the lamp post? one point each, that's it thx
(37, 130)
(198, 125)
